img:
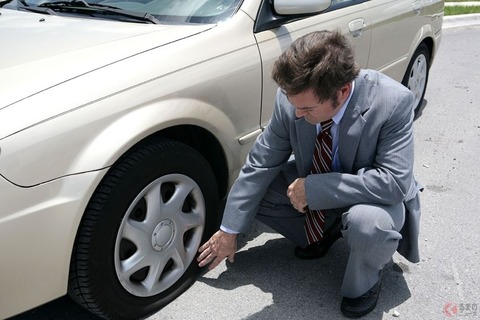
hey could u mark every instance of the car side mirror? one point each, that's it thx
(293, 7)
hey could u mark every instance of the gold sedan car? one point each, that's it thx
(123, 124)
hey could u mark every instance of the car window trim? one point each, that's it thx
(267, 18)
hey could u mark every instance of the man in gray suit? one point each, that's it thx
(367, 195)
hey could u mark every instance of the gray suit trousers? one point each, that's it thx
(371, 232)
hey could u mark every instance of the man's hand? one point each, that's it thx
(220, 246)
(296, 193)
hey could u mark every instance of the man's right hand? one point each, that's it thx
(220, 246)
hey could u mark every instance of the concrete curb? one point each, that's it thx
(461, 20)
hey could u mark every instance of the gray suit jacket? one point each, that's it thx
(375, 149)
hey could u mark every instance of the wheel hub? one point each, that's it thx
(162, 235)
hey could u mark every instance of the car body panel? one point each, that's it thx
(144, 88)
(76, 94)
(40, 230)
(387, 24)
(62, 48)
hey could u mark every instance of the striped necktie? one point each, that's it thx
(321, 163)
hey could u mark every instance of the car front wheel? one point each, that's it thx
(136, 246)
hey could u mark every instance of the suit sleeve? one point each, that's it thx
(387, 176)
(268, 156)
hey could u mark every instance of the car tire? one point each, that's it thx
(136, 246)
(416, 76)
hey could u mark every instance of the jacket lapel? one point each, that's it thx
(351, 126)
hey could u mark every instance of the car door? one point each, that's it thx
(396, 26)
(349, 16)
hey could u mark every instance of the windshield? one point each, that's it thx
(149, 11)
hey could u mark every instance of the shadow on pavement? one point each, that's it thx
(302, 289)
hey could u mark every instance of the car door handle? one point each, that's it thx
(356, 27)
(417, 6)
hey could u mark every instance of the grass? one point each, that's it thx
(456, 10)
(451, 11)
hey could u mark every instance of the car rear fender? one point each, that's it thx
(397, 69)
(427, 35)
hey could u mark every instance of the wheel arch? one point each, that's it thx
(431, 48)
(426, 36)
(205, 143)
(173, 120)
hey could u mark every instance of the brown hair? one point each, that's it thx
(323, 61)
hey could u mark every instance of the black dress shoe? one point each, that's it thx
(360, 306)
(320, 248)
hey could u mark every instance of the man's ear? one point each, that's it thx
(344, 92)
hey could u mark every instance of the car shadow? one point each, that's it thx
(419, 111)
(302, 289)
(61, 308)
